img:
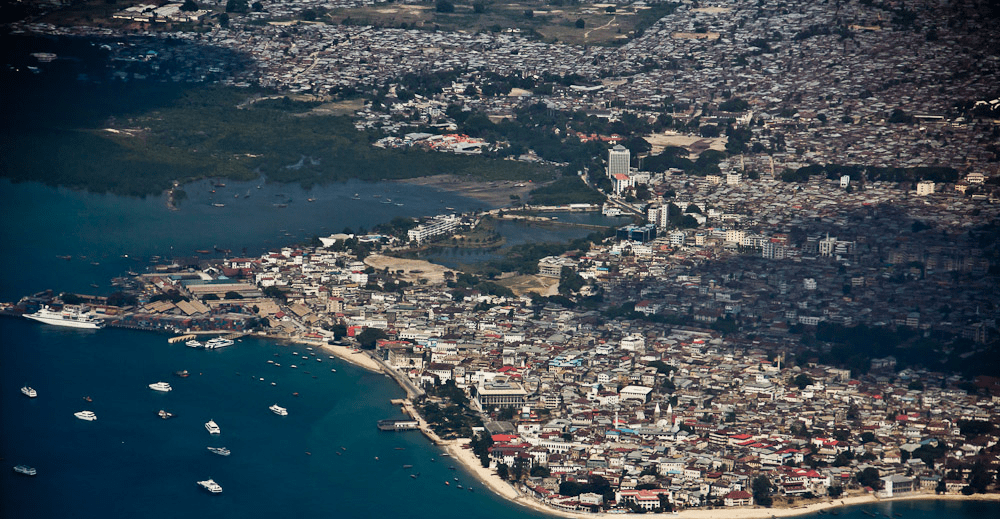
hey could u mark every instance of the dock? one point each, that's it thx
(398, 425)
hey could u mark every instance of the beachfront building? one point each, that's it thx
(441, 224)
(895, 485)
(738, 498)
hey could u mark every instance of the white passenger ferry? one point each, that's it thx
(73, 317)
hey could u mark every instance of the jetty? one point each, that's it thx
(398, 425)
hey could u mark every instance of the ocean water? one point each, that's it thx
(108, 235)
(317, 461)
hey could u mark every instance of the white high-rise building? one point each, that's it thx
(618, 161)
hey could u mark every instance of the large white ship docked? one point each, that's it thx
(73, 317)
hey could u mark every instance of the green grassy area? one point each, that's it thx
(136, 139)
(569, 189)
(547, 20)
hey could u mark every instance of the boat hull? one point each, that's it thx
(66, 323)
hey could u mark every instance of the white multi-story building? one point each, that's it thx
(618, 161)
(925, 188)
(633, 342)
(441, 224)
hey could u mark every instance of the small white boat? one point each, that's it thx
(164, 414)
(212, 427)
(29, 392)
(89, 416)
(278, 410)
(161, 386)
(194, 344)
(211, 486)
(221, 451)
(26, 470)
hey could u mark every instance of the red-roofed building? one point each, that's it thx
(738, 498)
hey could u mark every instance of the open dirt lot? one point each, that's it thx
(414, 270)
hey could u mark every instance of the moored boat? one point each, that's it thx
(164, 414)
(182, 373)
(221, 451)
(218, 342)
(89, 416)
(194, 344)
(278, 410)
(161, 386)
(26, 470)
(212, 427)
(211, 486)
(73, 317)
(29, 392)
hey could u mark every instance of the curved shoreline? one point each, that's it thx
(458, 450)
(354, 357)
(489, 478)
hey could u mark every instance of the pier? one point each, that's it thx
(398, 425)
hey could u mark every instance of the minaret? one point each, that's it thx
(656, 412)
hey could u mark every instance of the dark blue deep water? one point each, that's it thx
(319, 461)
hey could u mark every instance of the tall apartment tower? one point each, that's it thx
(618, 160)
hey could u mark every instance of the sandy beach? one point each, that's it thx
(349, 355)
(358, 358)
(488, 477)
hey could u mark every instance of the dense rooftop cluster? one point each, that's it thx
(823, 82)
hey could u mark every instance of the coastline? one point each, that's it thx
(488, 478)
(355, 357)
(495, 193)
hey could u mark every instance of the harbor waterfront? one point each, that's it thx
(326, 457)
(317, 460)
